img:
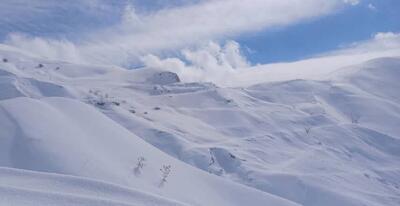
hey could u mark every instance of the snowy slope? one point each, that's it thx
(331, 140)
(75, 139)
(23, 187)
(41, 131)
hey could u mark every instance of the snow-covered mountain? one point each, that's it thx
(75, 134)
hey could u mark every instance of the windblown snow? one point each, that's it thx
(75, 134)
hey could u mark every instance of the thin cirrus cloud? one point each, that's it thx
(170, 29)
(54, 18)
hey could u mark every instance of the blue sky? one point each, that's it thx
(323, 34)
(122, 32)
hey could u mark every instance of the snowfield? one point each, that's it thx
(75, 134)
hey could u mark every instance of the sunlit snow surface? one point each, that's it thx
(72, 134)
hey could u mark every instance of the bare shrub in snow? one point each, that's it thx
(355, 118)
(165, 171)
(5, 60)
(99, 98)
(116, 103)
(139, 165)
(212, 161)
(307, 130)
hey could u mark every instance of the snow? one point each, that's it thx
(311, 69)
(23, 187)
(67, 141)
(73, 134)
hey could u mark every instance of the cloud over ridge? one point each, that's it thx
(190, 38)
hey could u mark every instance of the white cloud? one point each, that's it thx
(210, 62)
(210, 20)
(371, 7)
(379, 42)
(352, 2)
(141, 37)
(382, 41)
(215, 56)
(179, 27)
(321, 67)
(386, 36)
(129, 15)
(45, 48)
